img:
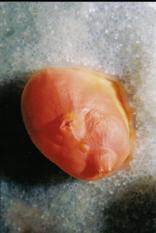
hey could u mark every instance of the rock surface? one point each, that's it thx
(120, 38)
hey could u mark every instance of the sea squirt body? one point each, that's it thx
(79, 119)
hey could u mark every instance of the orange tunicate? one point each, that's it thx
(80, 120)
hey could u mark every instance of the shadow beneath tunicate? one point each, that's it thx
(20, 161)
(134, 210)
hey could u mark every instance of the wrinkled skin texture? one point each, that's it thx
(80, 120)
